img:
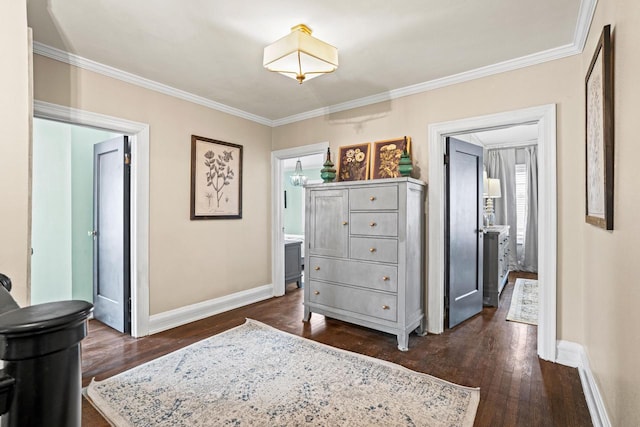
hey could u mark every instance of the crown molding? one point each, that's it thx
(106, 70)
(585, 16)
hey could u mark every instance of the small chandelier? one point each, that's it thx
(300, 56)
(297, 178)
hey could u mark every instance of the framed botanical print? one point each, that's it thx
(599, 135)
(386, 157)
(216, 179)
(353, 162)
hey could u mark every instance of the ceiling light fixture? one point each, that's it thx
(298, 178)
(300, 56)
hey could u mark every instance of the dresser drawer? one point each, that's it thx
(374, 223)
(373, 198)
(370, 249)
(355, 300)
(372, 276)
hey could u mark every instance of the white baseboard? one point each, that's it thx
(575, 355)
(190, 313)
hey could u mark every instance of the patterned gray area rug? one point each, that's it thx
(524, 302)
(255, 375)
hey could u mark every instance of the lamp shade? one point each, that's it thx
(493, 188)
(300, 56)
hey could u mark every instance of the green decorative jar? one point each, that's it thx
(404, 166)
(328, 172)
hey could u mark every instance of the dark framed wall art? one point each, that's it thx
(600, 134)
(386, 157)
(216, 179)
(353, 162)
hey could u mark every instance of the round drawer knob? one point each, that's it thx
(372, 198)
(385, 307)
(316, 292)
(372, 224)
(316, 268)
(372, 250)
(385, 278)
(344, 223)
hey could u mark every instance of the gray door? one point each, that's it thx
(330, 229)
(111, 275)
(463, 233)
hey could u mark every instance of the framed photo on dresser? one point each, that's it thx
(353, 162)
(386, 157)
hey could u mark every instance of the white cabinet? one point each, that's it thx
(365, 254)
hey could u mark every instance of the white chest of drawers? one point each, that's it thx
(365, 244)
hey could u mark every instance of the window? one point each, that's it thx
(521, 201)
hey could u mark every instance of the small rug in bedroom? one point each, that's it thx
(524, 302)
(259, 376)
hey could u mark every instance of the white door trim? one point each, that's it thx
(545, 116)
(277, 201)
(139, 197)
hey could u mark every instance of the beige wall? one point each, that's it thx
(14, 146)
(611, 285)
(189, 261)
(557, 82)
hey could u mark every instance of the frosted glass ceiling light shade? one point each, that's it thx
(300, 56)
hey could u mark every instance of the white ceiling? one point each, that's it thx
(213, 48)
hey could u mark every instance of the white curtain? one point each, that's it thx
(529, 261)
(501, 164)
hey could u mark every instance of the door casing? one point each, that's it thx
(139, 133)
(545, 117)
(277, 203)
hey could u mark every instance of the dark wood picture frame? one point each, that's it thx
(353, 162)
(386, 157)
(599, 135)
(216, 179)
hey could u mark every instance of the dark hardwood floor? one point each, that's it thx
(516, 388)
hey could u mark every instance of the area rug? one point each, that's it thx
(524, 302)
(255, 375)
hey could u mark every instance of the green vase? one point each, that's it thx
(328, 172)
(404, 166)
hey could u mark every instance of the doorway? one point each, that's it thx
(139, 197)
(278, 159)
(545, 117)
(61, 214)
